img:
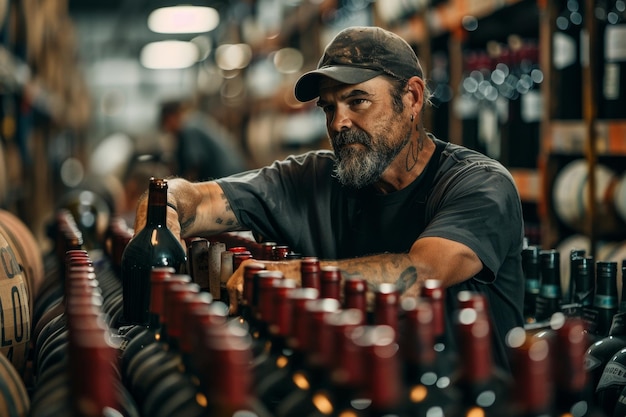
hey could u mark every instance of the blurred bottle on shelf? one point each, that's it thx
(613, 97)
(566, 60)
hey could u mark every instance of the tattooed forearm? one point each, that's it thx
(186, 225)
(408, 277)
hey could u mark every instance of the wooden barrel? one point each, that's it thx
(15, 324)
(570, 197)
(27, 251)
(14, 400)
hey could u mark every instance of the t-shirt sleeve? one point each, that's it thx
(276, 201)
(480, 207)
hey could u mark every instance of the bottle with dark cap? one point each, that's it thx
(605, 300)
(530, 266)
(550, 292)
(154, 245)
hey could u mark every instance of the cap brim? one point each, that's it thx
(308, 85)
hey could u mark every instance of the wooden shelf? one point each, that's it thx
(569, 137)
(528, 183)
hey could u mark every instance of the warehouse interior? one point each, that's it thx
(538, 85)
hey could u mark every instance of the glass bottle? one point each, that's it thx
(310, 272)
(355, 295)
(605, 300)
(277, 385)
(532, 393)
(313, 376)
(484, 387)
(566, 59)
(550, 293)
(154, 245)
(428, 390)
(330, 282)
(532, 282)
(613, 97)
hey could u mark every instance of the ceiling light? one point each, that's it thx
(169, 55)
(183, 19)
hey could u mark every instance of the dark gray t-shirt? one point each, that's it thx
(470, 198)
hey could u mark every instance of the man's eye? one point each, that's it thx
(358, 101)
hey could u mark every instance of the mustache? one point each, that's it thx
(349, 137)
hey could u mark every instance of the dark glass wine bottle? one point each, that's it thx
(154, 245)
(428, 390)
(532, 393)
(355, 295)
(574, 255)
(601, 351)
(572, 384)
(484, 387)
(566, 59)
(532, 282)
(550, 292)
(136, 340)
(330, 282)
(310, 272)
(613, 97)
(605, 300)
(299, 402)
(227, 373)
(274, 387)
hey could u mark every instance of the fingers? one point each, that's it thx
(233, 298)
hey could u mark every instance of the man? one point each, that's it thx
(204, 150)
(391, 203)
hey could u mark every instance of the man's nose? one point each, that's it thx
(341, 120)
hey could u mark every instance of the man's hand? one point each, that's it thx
(234, 285)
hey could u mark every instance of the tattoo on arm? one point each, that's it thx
(184, 226)
(407, 278)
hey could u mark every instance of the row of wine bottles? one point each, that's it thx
(328, 345)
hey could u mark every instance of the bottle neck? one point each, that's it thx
(157, 205)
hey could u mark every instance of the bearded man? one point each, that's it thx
(391, 202)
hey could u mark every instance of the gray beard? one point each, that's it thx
(362, 167)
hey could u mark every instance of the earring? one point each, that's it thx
(411, 117)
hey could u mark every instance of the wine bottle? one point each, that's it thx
(550, 292)
(532, 393)
(355, 295)
(310, 272)
(607, 349)
(530, 267)
(573, 385)
(574, 255)
(154, 245)
(483, 385)
(383, 380)
(613, 98)
(141, 336)
(386, 306)
(318, 360)
(566, 60)
(605, 301)
(428, 390)
(228, 375)
(330, 282)
(276, 313)
(274, 387)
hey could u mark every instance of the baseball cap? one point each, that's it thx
(358, 54)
